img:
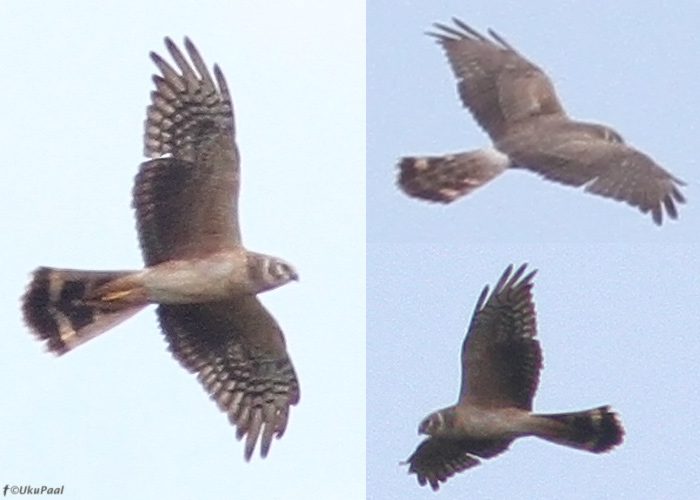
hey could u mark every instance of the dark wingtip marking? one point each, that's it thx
(170, 45)
(156, 58)
(670, 207)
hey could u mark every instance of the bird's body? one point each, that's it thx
(501, 363)
(197, 270)
(515, 102)
(480, 423)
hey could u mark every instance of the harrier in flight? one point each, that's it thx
(197, 270)
(501, 362)
(514, 101)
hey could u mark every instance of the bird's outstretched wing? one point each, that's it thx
(239, 354)
(501, 359)
(436, 460)
(499, 86)
(604, 167)
(186, 198)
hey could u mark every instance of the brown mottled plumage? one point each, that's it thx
(197, 270)
(501, 363)
(514, 101)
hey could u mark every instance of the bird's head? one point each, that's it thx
(281, 272)
(268, 272)
(434, 423)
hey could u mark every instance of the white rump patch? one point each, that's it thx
(499, 161)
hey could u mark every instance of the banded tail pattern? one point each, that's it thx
(443, 179)
(595, 430)
(67, 307)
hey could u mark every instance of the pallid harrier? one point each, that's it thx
(501, 362)
(515, 103)
(197, 270)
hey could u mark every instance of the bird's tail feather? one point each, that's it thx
(67, 307)
(445, 178)
(595, 430)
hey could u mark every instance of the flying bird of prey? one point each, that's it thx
(514, 101)
(501, 362)
(197, 270)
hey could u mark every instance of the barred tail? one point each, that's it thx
(66, 307)
(445, 178)
(595, 430)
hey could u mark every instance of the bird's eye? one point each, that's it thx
(280, 270)
(424, 426)
(283, 271)
(431, 424)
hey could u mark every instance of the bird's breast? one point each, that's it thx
(208, 279)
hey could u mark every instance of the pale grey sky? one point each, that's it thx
(118, 417)
(615, 295)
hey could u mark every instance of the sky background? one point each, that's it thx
(616, 296)
(118, 417)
